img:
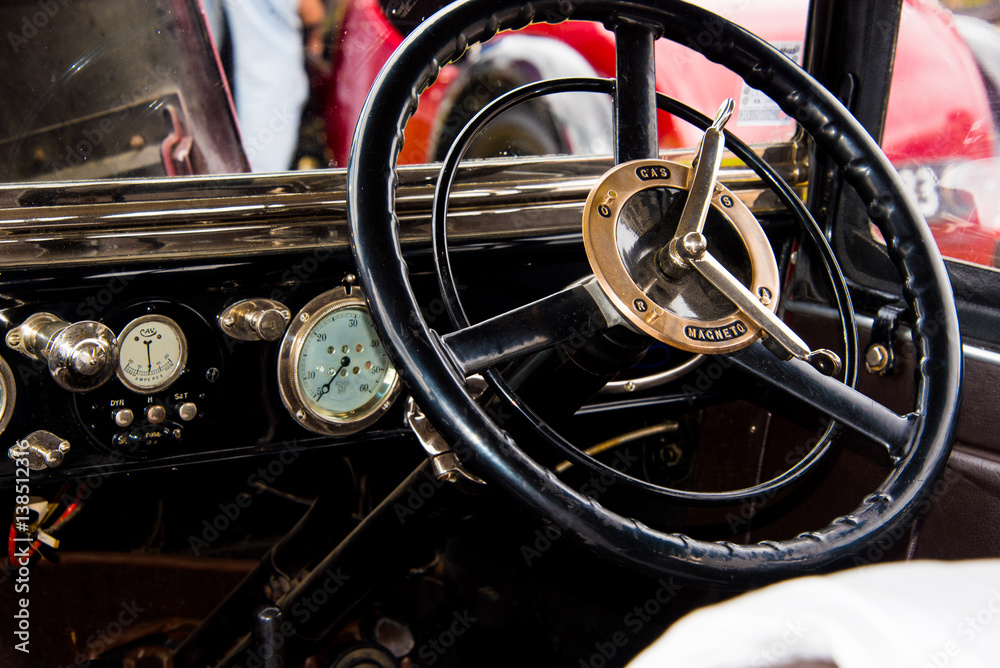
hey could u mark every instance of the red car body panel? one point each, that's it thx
(952, 121)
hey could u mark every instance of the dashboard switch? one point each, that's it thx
(81, 356)
(255, 320)
(42, 449)
(187, 411)
(124, 417)
(156, 414)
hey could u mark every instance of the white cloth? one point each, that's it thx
(269, 77)
(917, 614)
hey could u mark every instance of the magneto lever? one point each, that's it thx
(776, 335)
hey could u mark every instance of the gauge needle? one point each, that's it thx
(149, 357)
(700, 188)
(778, 337)
(344, 362)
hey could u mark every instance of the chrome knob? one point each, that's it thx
(255, 320)
(187, 411)
(269, 324)
(124, 417)
(81, 356)
(156, 414)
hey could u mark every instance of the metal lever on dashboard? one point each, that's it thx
(444, 462)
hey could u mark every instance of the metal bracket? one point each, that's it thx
(177, 149)
(880, 357)
(444, 462)
(41, 448)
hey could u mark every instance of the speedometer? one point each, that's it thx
(334, 375)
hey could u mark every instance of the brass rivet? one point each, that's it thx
(877, 358)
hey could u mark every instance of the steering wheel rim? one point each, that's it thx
(427, 364)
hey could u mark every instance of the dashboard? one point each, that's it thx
(181, 388)
(146, 329)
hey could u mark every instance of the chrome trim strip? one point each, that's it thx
(231, 216)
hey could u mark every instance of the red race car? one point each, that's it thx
(940, 130)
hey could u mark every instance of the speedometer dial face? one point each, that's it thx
(152, 352)
(334, 375)
(341, 366)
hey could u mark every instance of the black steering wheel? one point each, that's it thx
(435, 368)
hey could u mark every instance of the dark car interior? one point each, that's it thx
(497, 412)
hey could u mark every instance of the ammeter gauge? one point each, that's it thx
(152, 353)
(333, 373)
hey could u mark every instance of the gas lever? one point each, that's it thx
(702, 184)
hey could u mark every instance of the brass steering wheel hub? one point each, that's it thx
(629, 221)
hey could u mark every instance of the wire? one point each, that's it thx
(35, 548)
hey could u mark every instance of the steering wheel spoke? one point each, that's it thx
(636, 135)
(578, 312)
(829, 396)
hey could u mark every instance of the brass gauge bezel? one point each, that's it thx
(9, 390)
(600, 227)
(179, 367)
(303, 409)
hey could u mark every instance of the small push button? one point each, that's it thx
(156, 414)
(187, 411)
(124, 417)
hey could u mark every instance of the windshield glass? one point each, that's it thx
(122, 88)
